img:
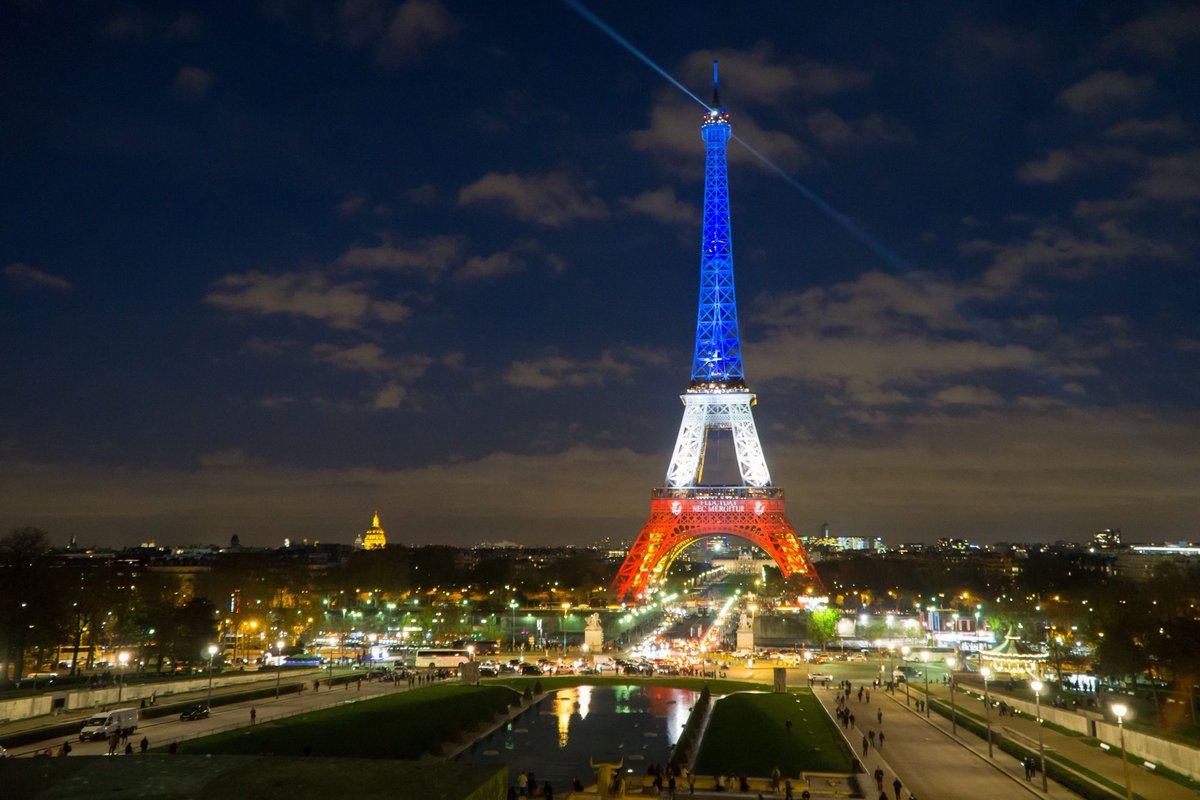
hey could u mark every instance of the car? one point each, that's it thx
(198, 711)
(821, 676)
(530, 669)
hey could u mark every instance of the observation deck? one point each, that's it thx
(717, 493)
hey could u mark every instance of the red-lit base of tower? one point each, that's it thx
(680, 517)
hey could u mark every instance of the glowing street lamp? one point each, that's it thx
(212, 651)
(123, 659)
(279, 666)
(565, 607)
(986, 672)
(904, 651)
(925, 660)
(1120, 710)
(951, 663)
(1036, 685)
(512, 606)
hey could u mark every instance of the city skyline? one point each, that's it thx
(270, 269)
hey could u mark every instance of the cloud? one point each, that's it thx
(1056, 251)
(873, 129)
(400, 35)
(430, 256)
(1168, 127)
(967, 396)
(1160, 33)
(1020, 472)
(391, 396)
(233, 458)
(352, 204)
(674, 134)
(28, 277)
(492, 266)
(1172, 178)
(553, 199)
(660, 204)
(1106, 89)
(1054, 167)
(366, 357)
(754, 76)
(1063, 163)
(193, 83)
(555, 371)
(304, 294)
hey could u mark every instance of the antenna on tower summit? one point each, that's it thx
(716, 96)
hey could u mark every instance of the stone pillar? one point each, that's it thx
(593, 634)
(745, 633)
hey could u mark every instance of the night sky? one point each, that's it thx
(269, 267)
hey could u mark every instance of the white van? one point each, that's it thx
(106, 723)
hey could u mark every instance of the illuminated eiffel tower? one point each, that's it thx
(717, 400)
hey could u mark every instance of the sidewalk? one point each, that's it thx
(1070, 748)
(931, 764)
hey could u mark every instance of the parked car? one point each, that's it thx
(198, 711)
(821, 676)
(530, 669)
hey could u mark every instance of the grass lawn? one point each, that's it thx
(403, 725)
(717, 687)
(747, 735)
(258, 777)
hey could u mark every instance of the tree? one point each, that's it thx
(822, 625)
(31, 608)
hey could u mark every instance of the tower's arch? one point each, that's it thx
(680, 517)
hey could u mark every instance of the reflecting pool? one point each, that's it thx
(557, 737)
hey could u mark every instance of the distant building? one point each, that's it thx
(1138, 563)
(373, 538)
(1107, 538)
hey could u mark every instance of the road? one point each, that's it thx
(163, 730)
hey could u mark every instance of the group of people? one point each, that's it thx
(527, 786)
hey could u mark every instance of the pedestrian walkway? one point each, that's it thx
(1070, 748)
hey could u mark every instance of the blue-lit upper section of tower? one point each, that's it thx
(718, 361)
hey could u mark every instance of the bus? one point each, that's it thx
(441, 658)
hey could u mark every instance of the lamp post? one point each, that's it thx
(279, 667)
(565, 607)
(123, 659)
(1037, 693)
(925, 660)
(904, 651)
(951, 663)
(986, 672)
(512, 606)
(212, 651)
(1120, 710)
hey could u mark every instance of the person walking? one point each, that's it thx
(864, 745)
(897, 786)
(670, 786)
(129, 748)
(173, 748)
(253, 714)
(878, 774)
(787, 790)
(112, 744)
(144, 745)
(871, 734)
(879, 716)
(881, 740)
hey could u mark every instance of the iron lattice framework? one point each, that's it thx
(717, 399)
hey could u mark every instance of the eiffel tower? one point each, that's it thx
(686, 509)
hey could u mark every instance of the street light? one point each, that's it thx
(512, 606)
(565, 607)
(1120, 710)
(986, 672)
(904, 651)
(951, 663)
(212, 651)
(123, 658)
(1036, 685)
(279, 667)
(925, 660)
